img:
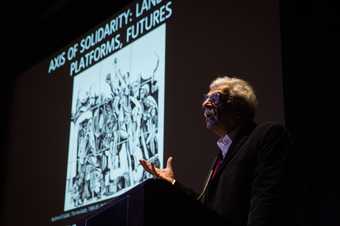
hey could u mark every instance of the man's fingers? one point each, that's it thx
(146, 165)
(169, 162)
(142, 162)
(154, 170)
(149, 167)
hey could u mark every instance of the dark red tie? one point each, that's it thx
(217, 166)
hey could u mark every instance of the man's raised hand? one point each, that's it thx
(166, 174)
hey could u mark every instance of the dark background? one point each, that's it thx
(310, 67)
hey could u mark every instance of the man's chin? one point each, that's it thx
(210, 125)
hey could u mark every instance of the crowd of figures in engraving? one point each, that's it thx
(114, 132)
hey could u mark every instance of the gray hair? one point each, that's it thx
(240, 95)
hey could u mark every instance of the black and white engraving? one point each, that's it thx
(117, 119)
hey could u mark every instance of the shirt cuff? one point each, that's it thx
(173, 182)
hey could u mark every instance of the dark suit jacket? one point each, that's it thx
(250, 186)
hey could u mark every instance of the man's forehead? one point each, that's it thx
(213, 91)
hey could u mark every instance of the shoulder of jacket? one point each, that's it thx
(270, 126)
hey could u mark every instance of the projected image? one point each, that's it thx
(117, 119)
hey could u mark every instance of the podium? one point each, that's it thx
(154, 202)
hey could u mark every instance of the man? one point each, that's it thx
(247, 183)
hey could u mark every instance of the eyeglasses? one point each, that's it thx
(214, 99)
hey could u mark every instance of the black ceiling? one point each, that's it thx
(36, 29)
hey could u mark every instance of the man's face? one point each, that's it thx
(211, 108)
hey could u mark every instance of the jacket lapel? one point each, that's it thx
(208, 180)
(239, 140)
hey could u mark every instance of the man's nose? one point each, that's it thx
(207, 103)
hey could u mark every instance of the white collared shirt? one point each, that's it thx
(224, 144)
